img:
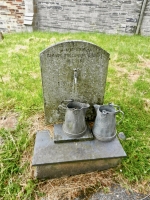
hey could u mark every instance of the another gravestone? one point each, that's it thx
(59, 63)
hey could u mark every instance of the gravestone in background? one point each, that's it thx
(60, 63)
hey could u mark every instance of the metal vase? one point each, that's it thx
(104, 128)
(75, 125)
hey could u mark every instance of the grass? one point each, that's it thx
(21, 93)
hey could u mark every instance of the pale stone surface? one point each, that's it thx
(57, 69)
(56, 160)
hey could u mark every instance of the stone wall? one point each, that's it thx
(145, 26)
(104, 16)
(12, 15)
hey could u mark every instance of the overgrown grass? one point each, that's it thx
(21, 92)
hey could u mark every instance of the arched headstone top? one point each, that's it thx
(67, 42)
(73, 69)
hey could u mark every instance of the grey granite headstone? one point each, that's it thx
(58, 63)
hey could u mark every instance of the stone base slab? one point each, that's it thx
(53, 160)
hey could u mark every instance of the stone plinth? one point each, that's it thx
(53, 160)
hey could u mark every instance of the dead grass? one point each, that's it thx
(134, 75)
(37, 123)
(18, 49)
(53, 40)
(142, 187)
(82, 185)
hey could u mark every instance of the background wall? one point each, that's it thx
(12, 15)
(145, 26)
(105, 16)
(108, 16)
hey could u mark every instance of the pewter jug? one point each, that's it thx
(75, 125)
(104, 128)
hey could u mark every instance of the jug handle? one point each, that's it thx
(118, 111)
(64, 101)
(111, 104)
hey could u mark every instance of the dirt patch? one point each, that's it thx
(134, 75)
(122, 70)
(9, 121)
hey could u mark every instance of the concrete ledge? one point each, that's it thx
(74, 168)
(53, 160)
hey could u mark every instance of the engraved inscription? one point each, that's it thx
(75, 55)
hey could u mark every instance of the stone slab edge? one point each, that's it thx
(46, 152)
(68, 169)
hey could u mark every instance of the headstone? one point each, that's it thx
(72, 70)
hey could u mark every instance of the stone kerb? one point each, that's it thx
(58, 64)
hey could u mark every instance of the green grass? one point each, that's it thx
(21, 92)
